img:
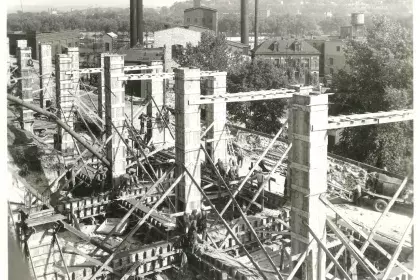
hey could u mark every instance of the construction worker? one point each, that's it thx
(221, 167)
(262, 166)
(133, 177)
(357, 194)
(102, 178)
(202, 224)
(233, 171)
(192, 236)
(240, 157)
(260, 178)
(143, 119)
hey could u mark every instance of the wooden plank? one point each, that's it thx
(131, 270)
(87, 238)
(72, 250)
(44, 220)
(388, 207)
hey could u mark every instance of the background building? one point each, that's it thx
(292, 53)
(201, 16)
(57, 40)
(110, 42)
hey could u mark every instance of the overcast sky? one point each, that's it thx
(11, 4)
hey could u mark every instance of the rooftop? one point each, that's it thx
(288, 46)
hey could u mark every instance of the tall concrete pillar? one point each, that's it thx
(22, 44)
(8, 56)
(308, 163)
(216, 113)
(64, 102)
(26, 116)
(75, 77)
(45, 71)
(244, 22)
(101, 87)
(187, 137)
(155, 125)
(114, 112)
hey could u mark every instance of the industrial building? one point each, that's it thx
(108, 186)
(57, 40)
(201, 16)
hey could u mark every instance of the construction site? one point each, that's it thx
(105, 185)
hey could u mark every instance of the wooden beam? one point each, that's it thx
(343, 272)
(140, 201)
(336, 257)
(362, 233)
(87, 238)
(131, 270)
(300, 261)
(72, 250)
(363, 261)
(249, 173)
(108, 260)
(30, 259)
(225, 224)
(61, 254)
(388, 207)
(60, 123)
(207, 130)
(398, 250)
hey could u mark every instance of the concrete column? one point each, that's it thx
(155, 125)
(8, 56)
(101, 88)
(64, 102)
(75, 77)
(22, 44)
(308, 163)
(45, 70)
(216, 113)
(187, 137)
(114, 112)
(26, 116)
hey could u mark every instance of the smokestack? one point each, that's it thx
(133, 23)
(140, 23)
(197, 3)
(256, 25)
(244, 22)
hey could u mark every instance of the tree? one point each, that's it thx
(211, 54)
(256, 75)
(379, 78)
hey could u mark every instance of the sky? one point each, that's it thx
(15, 4)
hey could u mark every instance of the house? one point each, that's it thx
(292, 53)
(201, 16)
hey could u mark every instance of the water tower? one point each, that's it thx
(358, 23)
